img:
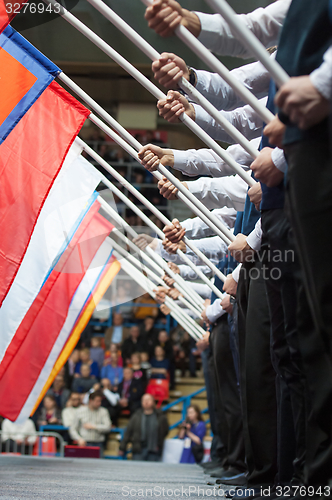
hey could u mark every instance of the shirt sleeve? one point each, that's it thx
(228, 192)
(321, 78)
(265, 23)
(254, 239)
(215, 311)
(253, 76)
(195, 162)
(73, 431)
(279, 160)
(196, 228)
(203, 290)
(236, 273)
(245, 119)
(189, 274)
(105, 425)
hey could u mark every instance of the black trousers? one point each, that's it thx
(280, 263)
(228, 393)
(309, 208)
(257, 377)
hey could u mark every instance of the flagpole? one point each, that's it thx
(154, 90)
(239, 28)
(184, 194)
(176, 311)
(196, 96)
(163, 219)
(196, 46)
(145, 269)
(157, 258)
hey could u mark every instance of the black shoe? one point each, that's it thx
(210, 465)
(228, 474)
(218, 472)
(240, 480)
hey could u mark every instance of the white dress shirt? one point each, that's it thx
(236, 273)
(321, 77)
(203, 290)
(228, 192)
(254, 239)
(16, 432)
(215, 311)
(265, 23)
(196, 228)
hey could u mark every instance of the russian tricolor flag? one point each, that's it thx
(54, 251)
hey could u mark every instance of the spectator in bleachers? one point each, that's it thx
(194, 429)
(86, 360)
(145, 364)
(113, 372)
(149, 333)
(18, 438)
(68, 413)
(59, 391)
(159, 364)
(91, 423)
(110, 399)
(85, 381)
(138, 371)
(134, 343)
(142, 312)
(97, 353)
(166, 343)
(147, 430)
(50, 414)
(72, 362)
(117, 332)
(130, 391)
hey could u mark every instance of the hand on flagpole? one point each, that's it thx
(255, 195)
(265, 170)
(172, 248)
(173, 106)
(301, 102)
(164, 309)
(173, 293)
(240, 249)
(173, 267)
(168, 190)
(151, 155)
(164, 16)
(160, 292)
(168, 280)
(144, 240)
(168, 70)
(275, 132)
(174, 232)
(204, 342)
(230, 285)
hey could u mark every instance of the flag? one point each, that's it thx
(30, 160)
(44, 321)
(83, 304)
(24, 74)
(8, 10)
(69, 199)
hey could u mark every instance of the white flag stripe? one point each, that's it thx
(62, 209)
(88, 283)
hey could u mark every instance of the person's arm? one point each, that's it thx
(197, 229)
(127, 435)
(105, 425)
(31, 430)
(203, 290)
(321, 77)
(229, 192)
(265, 23)
(254, 240)
(73, 430)
(214, 311)
(195, 162)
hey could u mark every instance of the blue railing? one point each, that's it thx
(186, 402)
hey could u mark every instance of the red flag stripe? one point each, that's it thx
(47, 315)
(30, 160)
(8, 10)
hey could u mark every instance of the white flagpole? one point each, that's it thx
(239, 28)
(196, 96)
(176, 312)
(154, 91)
(187, 292)
(164, 220)
(184, 194)
(196, 46)
(145, 269)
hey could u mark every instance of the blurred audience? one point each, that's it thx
(59, 391)
(97, 353)
(50, 414)
(85, 381)
(130, 391)
(68, 413)
(134, 343)
(159, 364)
(86, 359)
(113, 372)
(18, 438)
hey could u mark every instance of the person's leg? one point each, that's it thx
(229, 393)
(309, 203)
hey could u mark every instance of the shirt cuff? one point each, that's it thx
(214, 311)
(321, 78)
(254, 239)
(180, 160)
(279, 160)
(236, 273)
